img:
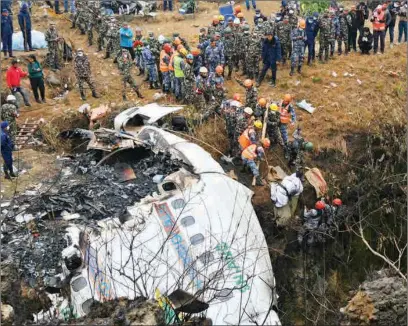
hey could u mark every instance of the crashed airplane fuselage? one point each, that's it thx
(198, 235)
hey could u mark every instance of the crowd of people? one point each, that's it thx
(195, 75)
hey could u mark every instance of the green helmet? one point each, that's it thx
(308, 146)
(227, 30)
(246, 28)
(145, 42)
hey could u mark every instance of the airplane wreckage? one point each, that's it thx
(171, 226)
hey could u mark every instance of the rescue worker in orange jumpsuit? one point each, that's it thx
(287, 116)
(164, 67)
(253, 152)
(250, 136)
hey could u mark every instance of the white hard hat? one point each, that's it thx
(10, 98)
(248, 110)
(161, 39)
(203, 69)
(237, 21)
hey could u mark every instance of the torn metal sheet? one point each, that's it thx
(131, 120)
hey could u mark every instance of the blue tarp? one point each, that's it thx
(227, 12)
(37, 39)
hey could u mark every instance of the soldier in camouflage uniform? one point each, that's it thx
(332, 35)
(52, 38)
(213, 27)
(125, 65)
(324, 36)
(283, 30)
(251, 95)
(237, 33)
(9, 113)
(216, 83)
(201, 89)
(183, 40)
(91, 17)
(298, 37)
(229, 47)
(273, 122)
(77, 19)
(189, 80)
(245, 40)
(342, 32)
(270, 27)
(293, 20)
(213, 56)
(113, 38)
(296, 150)
(102, 29)
(138, 44)
(154, 46)
(150, 65)
(203, 36)
(253, 56)
(82, 69)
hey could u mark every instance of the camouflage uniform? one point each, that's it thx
(253, 56)
(102, 29)
(216, 84)
(51, 37)
(9, 114)
(189, 80)
(251, 95)
(82, 18)
(259, 112)
(237, 32)
(332, 35)
(283, 31)
(298, 37)
(270, 27)
(113, 37)
(229, 47)
(213, 58)
(90, 19)
(82, 69)
(230, 118)
(201, 93)
(212, 29)
(273, 127)
(125, 65)
(245, 40)
(324, 36)
(150, 64)
(342, 33)
(293, 21)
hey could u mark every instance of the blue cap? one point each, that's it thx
(190, 56)
(4, 10)
(4, 125)
(315, 14)
(284, 3)
(24, 6)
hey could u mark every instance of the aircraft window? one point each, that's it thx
(86, 306)
(79, 284)
(206, 257)
(224, 295)
(169, 186)
(178, 203)
(187, 221)
(196, 239)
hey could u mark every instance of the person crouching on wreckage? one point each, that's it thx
(251, 154)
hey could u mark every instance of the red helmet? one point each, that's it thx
(167, 47)
(320, 205)
(337, 202)
(219, 69)
(237, 97)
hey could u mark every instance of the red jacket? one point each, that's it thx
(14, 76)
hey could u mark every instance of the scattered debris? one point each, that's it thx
(297, 83)
(334, 74)
(359, 81)
(315, 178)
(333, 85)
(346, 74)
(306, 106)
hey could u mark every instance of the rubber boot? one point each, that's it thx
(309, 61)
(273, 83)
(299, 70)
(107, 55)
(124, 98)
(292, 71)
(83, 98)
(13, 175)
(95, 95)
(7, 175)
(151, 85)
(156, 85)
(99, 48)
